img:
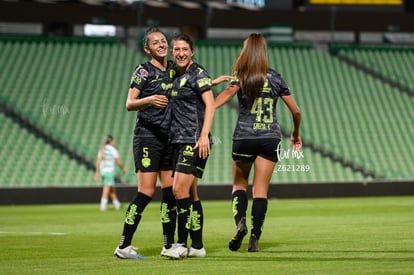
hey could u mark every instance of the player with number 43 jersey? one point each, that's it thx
(259, 120)
(257, 134)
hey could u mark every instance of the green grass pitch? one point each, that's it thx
(300, 236)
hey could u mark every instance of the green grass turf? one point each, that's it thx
(307, 236)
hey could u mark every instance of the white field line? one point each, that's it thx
(15, 233)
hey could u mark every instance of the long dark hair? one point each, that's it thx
(251, 66)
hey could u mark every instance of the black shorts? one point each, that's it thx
(248, 149)
(186, 160)
(152, 154)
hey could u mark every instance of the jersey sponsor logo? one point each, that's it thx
(188, 151)
(193, 221)
(130, 215)
(204, 82)
(164, 212)
(166, 86)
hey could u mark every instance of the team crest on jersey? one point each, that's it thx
(183, 81)
(146, 162)
(172, 73)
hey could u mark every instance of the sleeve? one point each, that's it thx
(284, 89)
(235, 81)
(114, 152)
(203, 81)
(279, 83)
(139, 77)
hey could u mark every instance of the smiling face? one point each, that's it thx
(182, 54)
(157, 45)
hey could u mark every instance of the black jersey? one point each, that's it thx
(260, 121)
(187, 106)
(150, 80)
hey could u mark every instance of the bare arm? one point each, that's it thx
(226, 95)
(119, 163)
(203, 142)
(133, 103)
(295, 139)
(220, 79)
(97, 165)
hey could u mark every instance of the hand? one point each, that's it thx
(203, 145)
(97, 177)
(160, 101)
(220, 79)
(295, 142)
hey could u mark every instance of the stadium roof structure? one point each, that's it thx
(187, 4)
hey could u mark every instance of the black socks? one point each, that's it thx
(259, 210)
(197, 221)
(239, 205)
(133, 217)
(168, 212)
(183, 217)
(190, 221)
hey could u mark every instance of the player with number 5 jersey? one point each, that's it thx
(148, 94)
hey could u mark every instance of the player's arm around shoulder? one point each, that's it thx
(226, 95)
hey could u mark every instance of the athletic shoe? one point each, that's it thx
(253, 244)
(194, 252)
(165, 250)
(177, 251)
(128, 252)
(237, 239)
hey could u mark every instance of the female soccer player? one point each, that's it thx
(192, 113)
(105, 169)
(150, 84)
(257, 133)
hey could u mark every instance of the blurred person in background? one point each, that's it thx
(108, 156)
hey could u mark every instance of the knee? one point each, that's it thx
(240, 186)
(180, 192)
(147, 190)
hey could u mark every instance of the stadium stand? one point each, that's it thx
(74, 90)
